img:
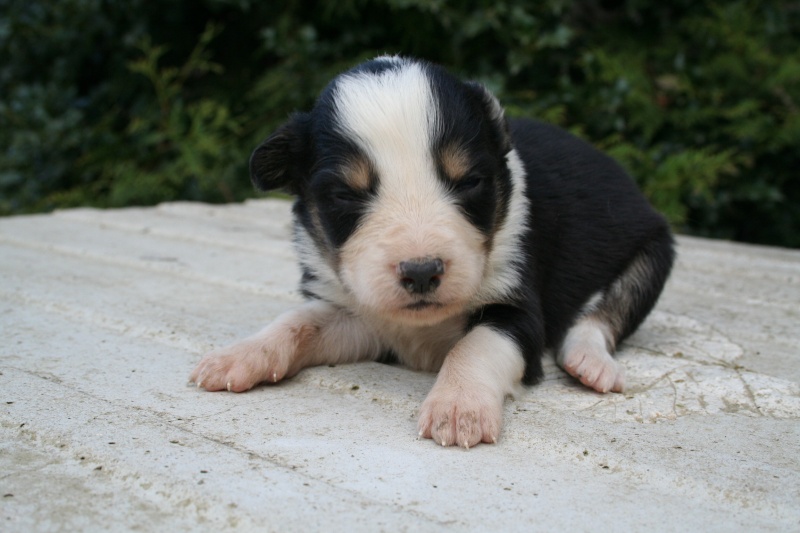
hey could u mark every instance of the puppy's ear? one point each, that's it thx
(496, 114)
(279, 161)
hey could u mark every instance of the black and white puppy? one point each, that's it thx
(432, 230)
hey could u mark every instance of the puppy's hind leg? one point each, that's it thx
(586, 355)
(612, 315)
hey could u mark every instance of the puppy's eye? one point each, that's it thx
(469, 182)
(345, 196)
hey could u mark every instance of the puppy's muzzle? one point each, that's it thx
(421, 275)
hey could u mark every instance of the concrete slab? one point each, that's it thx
(104, 313)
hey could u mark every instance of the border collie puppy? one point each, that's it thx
(433, 231)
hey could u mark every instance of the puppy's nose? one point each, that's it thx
(421, 275)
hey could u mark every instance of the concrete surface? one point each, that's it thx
(104, 313)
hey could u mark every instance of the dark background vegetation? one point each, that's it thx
(112, 103)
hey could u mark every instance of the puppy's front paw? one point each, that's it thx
(238, 368)
(452, 416)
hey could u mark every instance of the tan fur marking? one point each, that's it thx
(358, 174)
(455, 162)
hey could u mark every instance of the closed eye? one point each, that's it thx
(469, 182)
(346, 197)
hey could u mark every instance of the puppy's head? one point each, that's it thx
(402, 182)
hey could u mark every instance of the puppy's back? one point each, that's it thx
(588, 219)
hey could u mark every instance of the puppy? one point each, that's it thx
(433, 231)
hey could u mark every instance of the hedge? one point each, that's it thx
(112, 103)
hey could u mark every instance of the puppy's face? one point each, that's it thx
(401, 177)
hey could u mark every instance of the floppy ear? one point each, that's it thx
(279, 160)
(495, 113)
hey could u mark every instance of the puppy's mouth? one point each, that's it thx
(423, 304)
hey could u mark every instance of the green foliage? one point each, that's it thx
(109, 103)
(705, 115)
(174, 148)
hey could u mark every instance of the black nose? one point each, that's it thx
(420, 276)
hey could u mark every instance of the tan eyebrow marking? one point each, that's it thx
(358, 173)
(455, 161)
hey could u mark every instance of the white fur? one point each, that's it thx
(327, 285)
(584, 355)
(503, 272)
(392, 116)
(420, 347)
(465, 406)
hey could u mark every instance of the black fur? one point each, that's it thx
(588, 221)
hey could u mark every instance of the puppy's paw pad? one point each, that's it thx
(596, 369)
(460, 419)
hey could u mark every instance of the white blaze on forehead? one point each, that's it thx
(391, 115)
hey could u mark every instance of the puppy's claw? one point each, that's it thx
(228, 386)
